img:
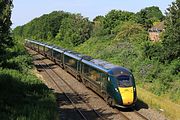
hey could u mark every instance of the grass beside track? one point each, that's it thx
(164, 105)
(24, 97)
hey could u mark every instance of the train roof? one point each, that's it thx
(106, 66)
(48, 46)
(36, 42)
(96, 63)
(76, 55)
(41, 43)
(59, 49)
(103, 64)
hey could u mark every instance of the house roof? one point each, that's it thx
(158, 27)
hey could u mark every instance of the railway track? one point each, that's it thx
(140, 115)
(136, 113)
(54, 76)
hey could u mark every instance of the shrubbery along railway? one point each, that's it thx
(115, 84)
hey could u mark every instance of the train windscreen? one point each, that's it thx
(124, 80)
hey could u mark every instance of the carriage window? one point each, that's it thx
(71, 62)
(56, 54)
(104, 76)
(92, 73)
(41, 48)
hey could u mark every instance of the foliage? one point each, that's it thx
(23, 96)
(5, 23)
(153, 50)
(44, 27)
(171, 40)
(114, 17)
(98, 26)
(121, 37)
(149, 15)
(131, 48)
(74, 30)
(127, 29)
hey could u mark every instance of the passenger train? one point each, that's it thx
(115, 84)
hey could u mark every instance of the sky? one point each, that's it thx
(26, 10)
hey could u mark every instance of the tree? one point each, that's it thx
(5, 23)
(114, 18)
(98, 26)
(149, 15)
(74, 30)
(171, 40)
(45, 27)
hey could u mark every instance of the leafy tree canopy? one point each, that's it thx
(44, 27)
(5, 23)
(74, 30)
(114, 17)
(171, 40)
(149, 15)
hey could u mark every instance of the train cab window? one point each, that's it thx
(124, 80)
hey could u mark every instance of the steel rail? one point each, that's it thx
(73, 104)
(73, 91)
(140, 115)
(136, 112)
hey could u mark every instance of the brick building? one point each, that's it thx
(154, 32)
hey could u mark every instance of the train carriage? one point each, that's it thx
(41, 48)
(72, 63)
(58, 55)
(48, 51)
(35, 46)
(94, 77)
(28, 43)
(115, 84)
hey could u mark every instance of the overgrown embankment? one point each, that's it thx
(23, 95)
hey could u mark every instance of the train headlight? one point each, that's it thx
(134, 89)
(116, 90)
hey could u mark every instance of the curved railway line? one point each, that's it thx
(93, 114)
(73, 102)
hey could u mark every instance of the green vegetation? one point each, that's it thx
(120, 37)
(63, 27)
(22, 95)
(5, 23)
(148, 16)
(163, 105)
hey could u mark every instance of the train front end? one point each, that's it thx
(124, 93)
